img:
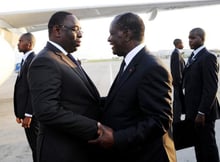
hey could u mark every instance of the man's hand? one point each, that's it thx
(18, 120)
(26, 122)
(200, 120)
(105, 139)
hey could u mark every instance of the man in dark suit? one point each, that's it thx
(138, 109)
(177, 64)
(22, 100)
(200, 85)
(64, 99)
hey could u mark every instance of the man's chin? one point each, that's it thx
(118, 54)
(74, 49)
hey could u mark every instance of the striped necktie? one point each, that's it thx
(78, 65)
(73, 59)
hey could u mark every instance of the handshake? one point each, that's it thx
(105, 136)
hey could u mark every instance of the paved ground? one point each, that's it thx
(13, 144)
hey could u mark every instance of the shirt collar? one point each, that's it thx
(198, 50)
(178, 49)
(133, 53)
(24, 57)
(59, 47)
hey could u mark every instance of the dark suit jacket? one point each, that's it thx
(138, 108)
(177, 64)
(66, 105)
(22, 99)
(200, 81)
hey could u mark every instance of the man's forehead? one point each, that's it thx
(72, 18)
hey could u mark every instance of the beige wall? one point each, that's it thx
(10, 37)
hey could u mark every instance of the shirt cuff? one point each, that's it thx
(28, 115)
(201, 113)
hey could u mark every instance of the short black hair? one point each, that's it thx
(132, 22)
(57, 19)
(177, 41)
(199, 31)
(30, 37)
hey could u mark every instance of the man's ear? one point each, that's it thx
(56, 30)
(128, 35)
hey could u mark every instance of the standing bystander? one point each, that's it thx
(22, 99)
(200, 86)
(177, 64)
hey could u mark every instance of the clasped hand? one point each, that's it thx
(200, 120)
(26, 122)
(105, 138)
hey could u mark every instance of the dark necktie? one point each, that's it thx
(120, 73)
(190, 59)
(122, 68)
(73, 59)
(22, 62)
(78, 65)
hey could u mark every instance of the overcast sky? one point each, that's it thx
(159, 33)
(21, 5)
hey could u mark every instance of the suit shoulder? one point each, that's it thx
(208, 52)
(43, 58)
(213, 54)
(210, 55)
(175, 51)
(31, 57)
(154, 61)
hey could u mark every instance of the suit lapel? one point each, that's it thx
(195, 58)
(85, 79)
(129, 71)
(91, 86)
(117, 84)
(26, 63)
(189, 63)
(188, 67)
(69, 62)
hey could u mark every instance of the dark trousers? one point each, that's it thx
(178, 105)
(31, 134)
(205, 143)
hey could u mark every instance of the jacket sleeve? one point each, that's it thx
(210, 70)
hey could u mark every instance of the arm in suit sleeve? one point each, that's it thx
(154, 101)
(28, 106)
(29, 109)
(45, 80)
(210, 83)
